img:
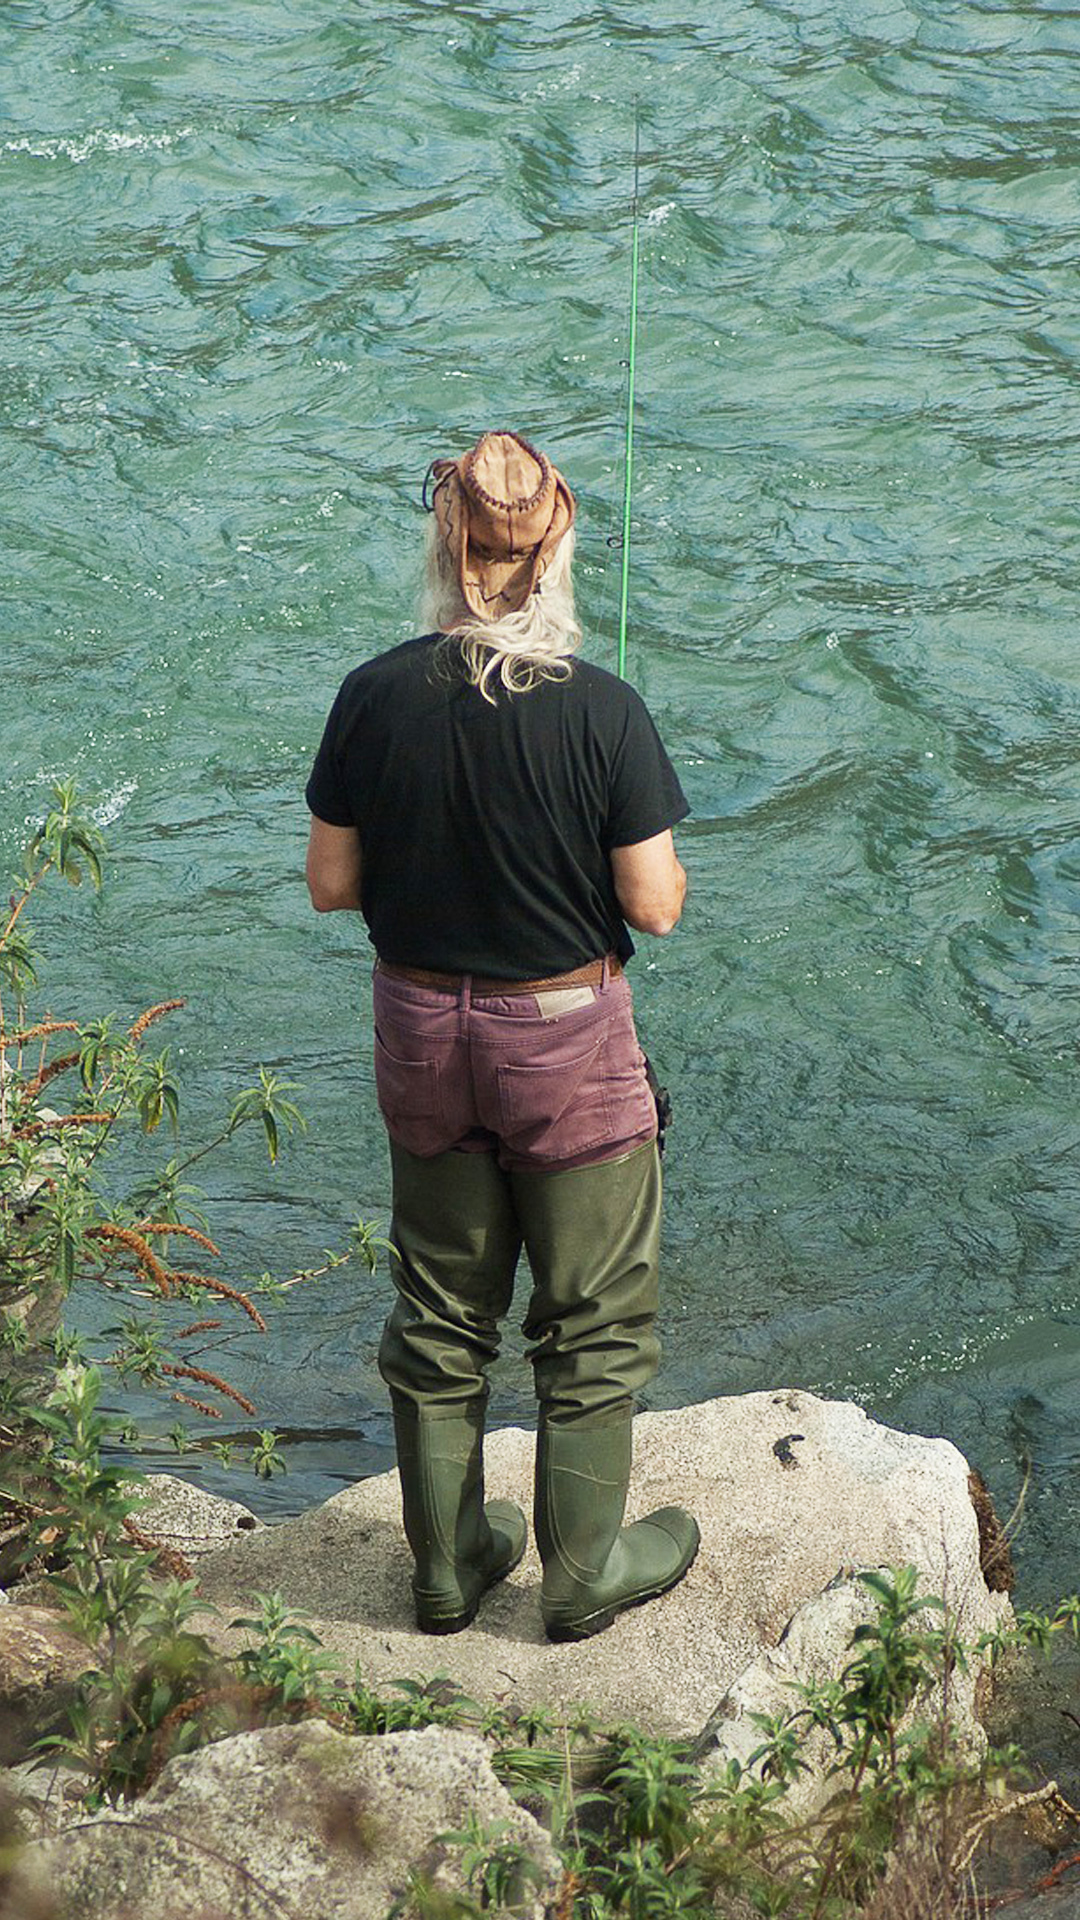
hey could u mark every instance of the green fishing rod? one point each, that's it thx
(628, 483)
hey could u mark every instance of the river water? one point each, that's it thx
(261, 261)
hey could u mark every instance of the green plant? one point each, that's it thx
(423, 1900)
(67, 841)
(417, 1703)
(269, 1104)
(288, 1657)
(63, 1215)
(82, 1522)
(266, 1459)
(162, 1694)
(651, 1784)
(496, 1866)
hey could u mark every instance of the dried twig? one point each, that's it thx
(1048, 1796)
(40, 1032)
(200, 1406)
(183, 1837)
(34, 1127)
(60, 1065)
(147, 1258)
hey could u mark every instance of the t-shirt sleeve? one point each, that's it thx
(326, 793)
(646, 797)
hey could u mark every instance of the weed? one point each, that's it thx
(496, 1866)
(287, 1656)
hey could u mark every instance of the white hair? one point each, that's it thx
(536, 643)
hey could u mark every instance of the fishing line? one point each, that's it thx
(628, 482)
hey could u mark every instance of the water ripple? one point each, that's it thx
(259, 267)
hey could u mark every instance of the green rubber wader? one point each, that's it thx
(456, 1243)
(460, 1546)
(457, 1240)
(593, 1239)
(592, 1236)
(594, 1567)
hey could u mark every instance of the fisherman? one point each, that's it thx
(500, 812)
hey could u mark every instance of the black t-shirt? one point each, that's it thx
(485, 830)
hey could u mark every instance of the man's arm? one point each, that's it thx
(650, 883)
(333, 867)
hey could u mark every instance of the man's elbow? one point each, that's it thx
(660, 923)
(332, 867)
(659, 915)
(329, 896)
(658, 920)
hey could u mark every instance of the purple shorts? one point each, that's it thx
(545, 1080)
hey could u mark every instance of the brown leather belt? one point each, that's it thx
(591, 975)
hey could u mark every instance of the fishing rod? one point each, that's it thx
(628, 482)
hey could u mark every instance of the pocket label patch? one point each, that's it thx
(556, 1000)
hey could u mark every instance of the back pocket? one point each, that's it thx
(557, 1110)
(408, 1096)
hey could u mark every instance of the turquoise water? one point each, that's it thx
(261, 262)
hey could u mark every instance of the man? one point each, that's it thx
(499, 811)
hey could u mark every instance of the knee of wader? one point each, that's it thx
(432, 1363)
(394, 1360)
(594, 1377)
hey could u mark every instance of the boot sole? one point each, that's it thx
(561, 1631)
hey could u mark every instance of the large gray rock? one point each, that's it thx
(187, 1520)
(790, 1491)
(815, 1647)
(40, 1663)
(39, 1800)
(294, 1821)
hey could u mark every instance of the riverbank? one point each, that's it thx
(794, 1496)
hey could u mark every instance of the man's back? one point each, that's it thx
(501, 813)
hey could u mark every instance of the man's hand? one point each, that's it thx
(650, 883)
(333, 867)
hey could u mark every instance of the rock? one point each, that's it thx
(40, 1800)
(296, 1820)
(181, 1517)
(815, 1647)
(790, 1491)
(40, 1662)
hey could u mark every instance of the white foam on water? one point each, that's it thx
(564, 83)
(658, 215)
(104, 140)
(113, 804)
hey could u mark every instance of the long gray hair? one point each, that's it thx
(536, 643)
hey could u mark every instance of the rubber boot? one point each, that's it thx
(594, 1567)
(592, 1236)
(456, 1244)
(460, 1546)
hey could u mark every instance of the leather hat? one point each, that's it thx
(502, 510)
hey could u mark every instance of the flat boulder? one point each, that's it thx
(793, 1493)
(295, 1820)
